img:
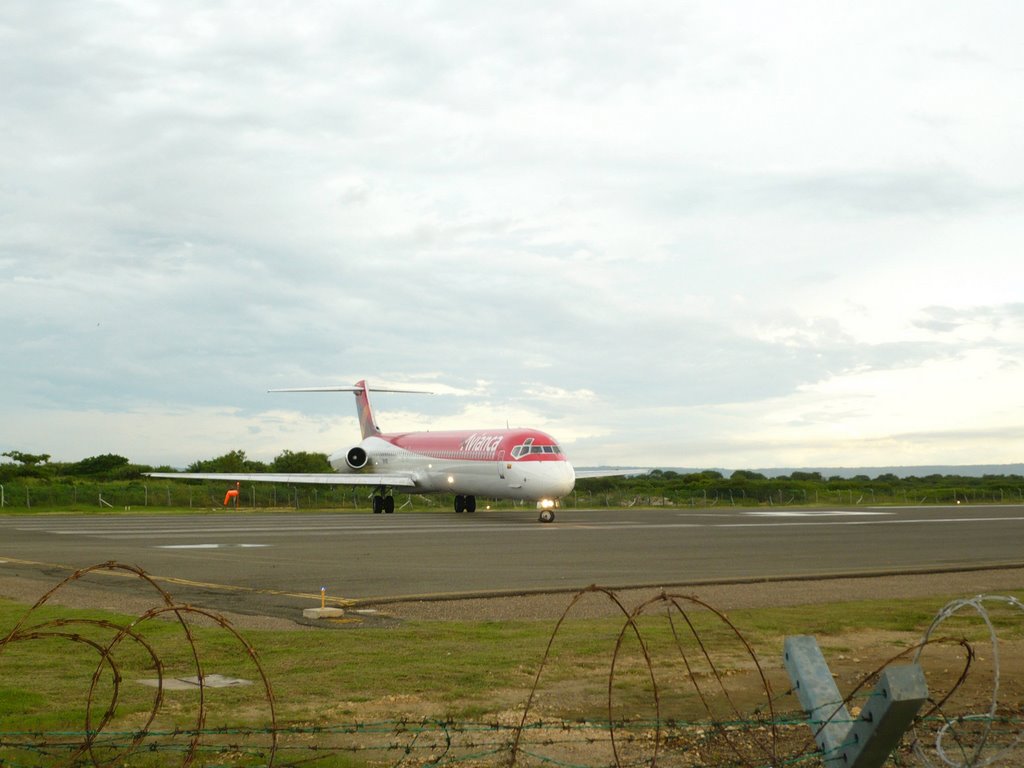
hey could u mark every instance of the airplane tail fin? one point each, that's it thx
(367, 423)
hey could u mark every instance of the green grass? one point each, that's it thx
(457, 664)
(462, 670)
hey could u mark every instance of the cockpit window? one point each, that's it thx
(527, 448)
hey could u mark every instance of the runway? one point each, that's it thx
(275, 563)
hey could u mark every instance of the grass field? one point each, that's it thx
(408, 693)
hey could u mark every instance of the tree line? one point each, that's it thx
(745, 487)
(110, 466)
(32, 480)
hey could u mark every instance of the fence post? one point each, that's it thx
(868, 740)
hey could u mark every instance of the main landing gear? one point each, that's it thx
(385, 504)
(465, 504)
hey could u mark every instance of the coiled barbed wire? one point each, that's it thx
(959, 728)
(726, 735)
(93, 733)
(732, 731)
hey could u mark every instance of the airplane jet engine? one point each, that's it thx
(356, 458)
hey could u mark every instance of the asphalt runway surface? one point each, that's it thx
(275, 564)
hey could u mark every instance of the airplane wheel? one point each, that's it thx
(389, 505)
(547, 516)
(378, 505)
(471, 503)
(460, 504)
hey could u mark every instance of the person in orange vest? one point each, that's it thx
(232, 494)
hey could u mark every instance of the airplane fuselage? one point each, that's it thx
(521, 464)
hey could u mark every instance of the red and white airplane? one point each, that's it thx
(521, 464)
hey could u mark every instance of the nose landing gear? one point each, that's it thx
(547, 509)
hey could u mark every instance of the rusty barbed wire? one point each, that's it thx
(729, 730)
(674, 649)
(92, 736)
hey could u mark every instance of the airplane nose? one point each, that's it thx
(568, 478)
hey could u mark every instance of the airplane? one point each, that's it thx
(520, 464)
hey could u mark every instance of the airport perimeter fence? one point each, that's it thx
(99, 495)
(747, 723)
(84, 494)
(797, 498)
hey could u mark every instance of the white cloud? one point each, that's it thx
(650, 231)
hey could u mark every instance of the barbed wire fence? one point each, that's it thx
(671, 649)
(104, 739)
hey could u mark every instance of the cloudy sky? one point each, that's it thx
(671, 233)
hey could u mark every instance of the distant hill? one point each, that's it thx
(964, 470)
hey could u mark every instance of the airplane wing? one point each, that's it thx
(325, 478)
(585, 473)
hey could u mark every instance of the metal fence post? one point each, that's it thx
(868, 740)
(818, 695)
